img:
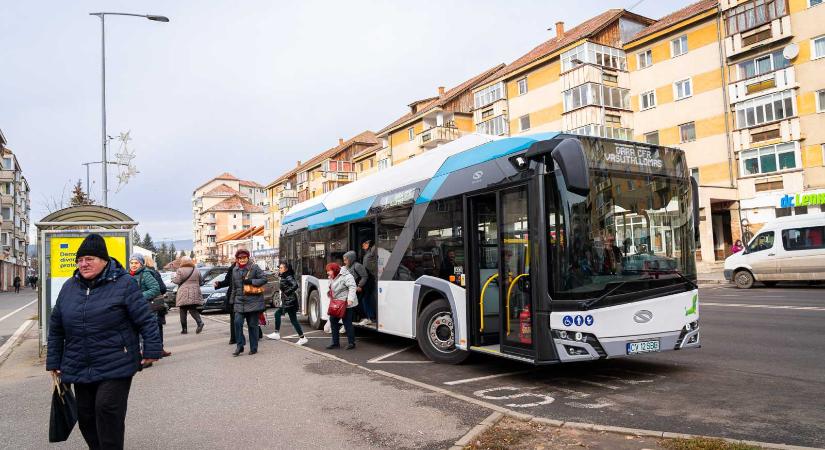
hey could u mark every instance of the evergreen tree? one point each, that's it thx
(172, 251)
(192, 254)
(163, 255)
(136, 237)
(148, 244)
(80, 198)
(182, 254)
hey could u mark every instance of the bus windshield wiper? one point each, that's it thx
(586, 305)
(677, 273)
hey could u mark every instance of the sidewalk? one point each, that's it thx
(716, 277)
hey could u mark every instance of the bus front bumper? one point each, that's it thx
(597, 348)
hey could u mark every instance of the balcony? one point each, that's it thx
(603, 131)
(754, 24)
(436, 136)
(287, 202)
(209, 220)
(344, 177)
(762, 84)
(209, 232)
(288, 193)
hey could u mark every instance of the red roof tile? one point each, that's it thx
(676, 17)
(442, 100)
(243, 234)
(236, 203)
(226, 176)
(248, 183)
(584, 30)
(222, 190)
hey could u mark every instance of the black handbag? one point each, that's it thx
(63, 416)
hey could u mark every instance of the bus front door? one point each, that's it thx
(500, 282)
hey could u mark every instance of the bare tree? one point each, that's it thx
(54, 203)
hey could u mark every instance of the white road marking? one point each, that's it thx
(16, 311)
(622, 380)
(544, 399)
(592, 383)
(745, 305)
(488, 377)
(380, 359)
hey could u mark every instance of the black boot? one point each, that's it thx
(238, 351)
(199, 329)
(183, 331)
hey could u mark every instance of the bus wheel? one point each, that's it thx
(314, 312)
(436, 334)
(743, 279)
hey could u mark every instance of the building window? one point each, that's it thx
(820, 100)
(652, 138)
(488, 95)
(610, 77)
(596, 94)
(762, 65)
(687, 132)
(753, 14)
(7, 164)
(682, 89)
(647, 100)
(495, 126)
(613, 120)
(812, 3)
(678, 46)
(487, 113)
(818, 46)
(765, 135)
(522, 86)
(383, 163)
(6, 213)
(410, 133)
(772, 158)
(764, 109)
(694, 172)
(645, 58)
(593, 54)
(524, 122)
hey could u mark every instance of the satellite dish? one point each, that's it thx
(791, 51)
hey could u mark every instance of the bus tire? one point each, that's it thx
(743, 279)
(314, 310)
(436, 334)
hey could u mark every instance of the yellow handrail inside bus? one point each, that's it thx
(481, 300)
(510, 291)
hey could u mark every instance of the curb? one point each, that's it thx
(500, 412)
(5, 350)
(723, 281)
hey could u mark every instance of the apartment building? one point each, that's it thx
(679, 99)
(775, 60)
(282, 195)
(251, 239)
(15, 207)
(221, 206)
(429, 123)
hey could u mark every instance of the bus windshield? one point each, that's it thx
(630, 233)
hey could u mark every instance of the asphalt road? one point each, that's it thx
(759, 375)
(14, 310)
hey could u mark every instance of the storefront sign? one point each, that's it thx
(804, 199)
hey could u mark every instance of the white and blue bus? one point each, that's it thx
(546, 248)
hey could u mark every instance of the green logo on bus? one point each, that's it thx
(692, 309)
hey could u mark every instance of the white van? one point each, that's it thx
(786, 249)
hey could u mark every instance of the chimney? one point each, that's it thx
(559, 29)
(440, 91)
(299, 163)
(340, 141)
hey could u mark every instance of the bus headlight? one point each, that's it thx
(562, 334)
(579, 335)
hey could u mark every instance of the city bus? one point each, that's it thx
(546, 248)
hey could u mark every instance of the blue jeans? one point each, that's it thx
(336, 324)
(366, 298)
(251, 319)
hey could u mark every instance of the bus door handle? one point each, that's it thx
(481, 299)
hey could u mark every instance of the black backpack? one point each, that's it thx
(160, 281)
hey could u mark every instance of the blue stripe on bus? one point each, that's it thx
(489, 151)
(430, 189)
(303, 214)
(350, 211)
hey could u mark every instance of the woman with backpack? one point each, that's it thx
(189, 297)
(289, 303)
(158, 305)
(148, 287)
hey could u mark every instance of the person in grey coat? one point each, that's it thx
(342, 287)
(362, 278)
(247, 306)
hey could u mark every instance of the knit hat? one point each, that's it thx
(139, 258)
(93, 245)
(242, 252)
(351, 256)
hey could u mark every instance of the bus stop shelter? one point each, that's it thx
(58, 237)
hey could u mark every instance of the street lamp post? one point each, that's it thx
(102, 16)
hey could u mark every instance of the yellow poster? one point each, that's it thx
(64, 249)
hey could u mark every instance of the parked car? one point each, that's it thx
(786, 249)
(213, 299)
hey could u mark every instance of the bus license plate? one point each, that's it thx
(642, 347)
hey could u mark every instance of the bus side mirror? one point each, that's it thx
(569, 155)
(694, 190)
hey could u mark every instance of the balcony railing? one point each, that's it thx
(778, 79)
(604, 131)
(436, 136)
(288, 193)
(339, 176)
(288, 202)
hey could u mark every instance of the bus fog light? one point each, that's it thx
(576, 351)
(563, 334)
(693, 339)
(579, 336)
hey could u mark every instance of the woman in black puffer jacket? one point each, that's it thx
(289, 303)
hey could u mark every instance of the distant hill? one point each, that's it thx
(182, 244)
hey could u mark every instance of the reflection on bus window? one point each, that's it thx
(763, 241)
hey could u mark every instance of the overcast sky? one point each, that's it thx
(246, 87)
